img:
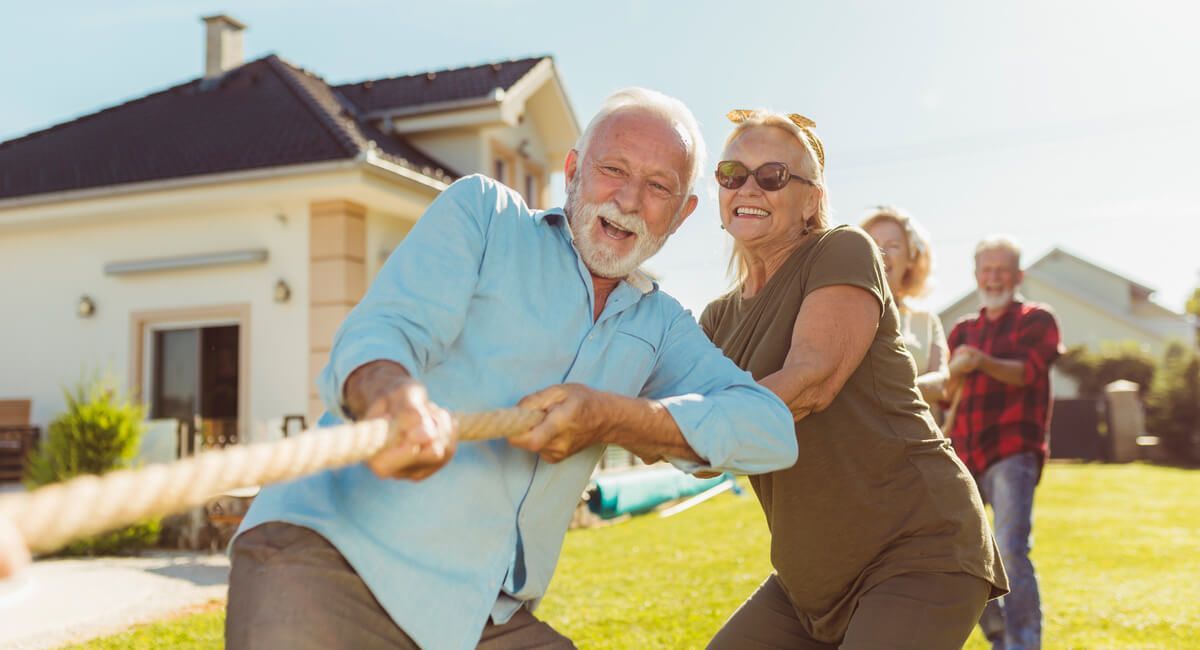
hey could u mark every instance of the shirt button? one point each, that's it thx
(591, 336)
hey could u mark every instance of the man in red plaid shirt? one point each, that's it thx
(1000, 361)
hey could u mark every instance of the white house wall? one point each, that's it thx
(513, 137)
(1082, 324)
(461, 149)
(1106, 288)
(558, 135)
(1166, 322)
(44, 345)
(384, 233)
(968, 305)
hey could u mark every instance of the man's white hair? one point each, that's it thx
(999, 243)
(655, 103)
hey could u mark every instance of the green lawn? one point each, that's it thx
(204, 628)
(1117, 548)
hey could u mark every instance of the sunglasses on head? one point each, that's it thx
(771, 177)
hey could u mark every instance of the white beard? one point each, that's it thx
(598, 257)
(989, 300)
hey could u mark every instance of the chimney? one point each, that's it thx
(223, 45)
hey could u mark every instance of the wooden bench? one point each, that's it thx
(17, 438)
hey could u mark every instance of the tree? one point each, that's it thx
(1092, 371)
(1173, 406)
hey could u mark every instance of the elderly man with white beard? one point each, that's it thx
(1000, 368)
(487, 304)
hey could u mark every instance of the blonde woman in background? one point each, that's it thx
(908, 260)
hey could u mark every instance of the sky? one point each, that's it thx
(1068, 124)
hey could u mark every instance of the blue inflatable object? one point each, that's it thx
(641, 490)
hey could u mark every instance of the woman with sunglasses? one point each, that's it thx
(878, 537)
(907, 259)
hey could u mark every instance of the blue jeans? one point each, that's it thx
(1013, 622)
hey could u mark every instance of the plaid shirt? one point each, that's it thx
(996, 420)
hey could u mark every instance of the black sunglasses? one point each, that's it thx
(771, 177)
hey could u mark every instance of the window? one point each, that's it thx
(504, 165)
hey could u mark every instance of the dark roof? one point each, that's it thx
(266, 113)
(476, 82)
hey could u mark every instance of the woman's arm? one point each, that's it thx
(932, 383)
(832, 334)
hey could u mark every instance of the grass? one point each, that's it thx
(199, 627)
(1117, 548)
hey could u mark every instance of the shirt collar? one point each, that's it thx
(641, 281)
(553, 216)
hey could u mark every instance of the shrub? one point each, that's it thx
(1093, 371)
(1172, 409)
(99, 432)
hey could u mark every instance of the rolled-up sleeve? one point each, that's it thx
(1040, 341)
(727, 418)
(417, 305)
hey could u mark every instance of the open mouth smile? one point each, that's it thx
(613, 231)
(750, 213)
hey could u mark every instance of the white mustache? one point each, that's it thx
(612, 214)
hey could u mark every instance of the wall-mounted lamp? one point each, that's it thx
(283, 292)
(86, 307)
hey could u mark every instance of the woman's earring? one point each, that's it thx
(722, 226)
(807, 228)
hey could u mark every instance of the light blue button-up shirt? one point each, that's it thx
(486, 301)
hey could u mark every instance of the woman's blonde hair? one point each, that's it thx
(813, 170)
(920, 254)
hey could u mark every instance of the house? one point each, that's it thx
(1093, 305)
(202, 243)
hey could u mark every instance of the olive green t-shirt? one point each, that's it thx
(877, 491)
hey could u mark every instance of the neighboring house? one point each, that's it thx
(1093, 305)
(204, 242)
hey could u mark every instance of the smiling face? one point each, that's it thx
(625, 195)
(998, 275)
(760, 219)
(893, 243)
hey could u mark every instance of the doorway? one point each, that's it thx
(196, 380)
(192, 365)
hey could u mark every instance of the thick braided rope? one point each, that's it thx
(52, 516)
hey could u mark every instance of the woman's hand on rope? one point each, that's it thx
(422, 436)
(13, 553)
(576, 418)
